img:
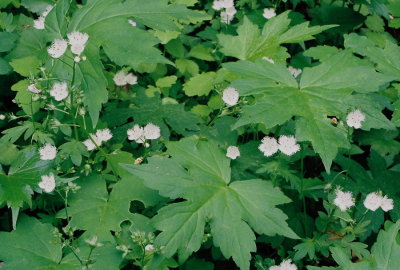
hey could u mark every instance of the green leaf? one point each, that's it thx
(200, 85)
(7, 41)
(98, 213)
(200, 173)
(31, 246)
(26, 66)
(327, 89)
(24, 174)
(386, 250)
(251, 43)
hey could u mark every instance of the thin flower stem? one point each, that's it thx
(303, 198)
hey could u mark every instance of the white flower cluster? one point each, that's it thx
(294, 71)
(355, 118)
(48, 152)
(141, 134)
(76, 39)
(285, 265)
(232, 152)
(269, 13)
(286, 144)
(39, 22)
(59, 91)
(343, 200)
(230, 96)
(102, 135)
(2, 117)
(48, 183)
(122, 79)
(375, 200)
(229, 11)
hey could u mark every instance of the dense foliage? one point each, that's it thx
(195, 134)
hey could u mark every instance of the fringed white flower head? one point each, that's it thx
(77, 40)
(228, 8)
(232, 152)
(151, 131)
(48, 152)
(33, 89)
(59, 91)
(57, 48)
(230, 96)
(39, 23)
(294, 71)
(228, 15)
(288, 145)
(48, 183)
(269, 146)
(121, 78)
(269, 13)
(136, 134)
(343, 200)
(2, 117)
(285, 265)
(268, 59)
(375, 200)
(103, 135)
(91, 143)
(220, 4)
(149, 248)
(355, 118)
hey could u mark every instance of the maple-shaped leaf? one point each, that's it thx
(251, 43)
(24, 175)
(339, 84)
(386, 249)
(32, 246)
(199, 172)
(97, 212)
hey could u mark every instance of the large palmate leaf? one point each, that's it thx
(339, 84)
(94, 210)
(24, 174)
(200, 173)
(386, 250)
(32, 246)
(251, 43)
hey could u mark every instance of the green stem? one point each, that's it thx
(303, 198)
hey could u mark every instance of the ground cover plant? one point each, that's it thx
(199, 135)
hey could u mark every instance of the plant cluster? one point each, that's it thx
(195, 134)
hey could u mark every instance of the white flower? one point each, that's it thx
(48, 152)
(387, 204)
(151, 131)
(48, 183)
(78, 41)
(131, 79)
(343, 200)
(285, 265)
(2, 117)
(228, 15)
(89, 142)
(149, 247)
(104, 134)
(269, 13)
(220, 4)
(268, 59)
(59, 91)
(84, 58)
(355, 118)
(57, 48)
(288, 145)
(39, 22)
(232, 152)
(77, 59)
(136, 134)
(32, 88)
(230, 96)
(268, 146)
(373, 201)
(294, 71)
(132, 22)
(120, 78)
